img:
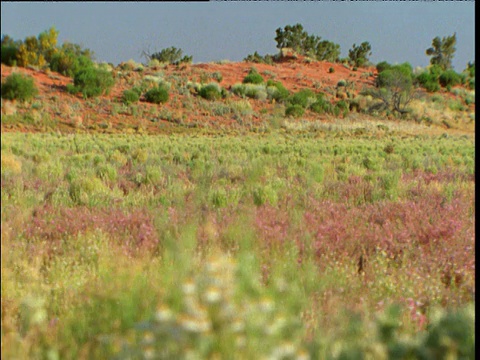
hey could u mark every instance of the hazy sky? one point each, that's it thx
(119, 31)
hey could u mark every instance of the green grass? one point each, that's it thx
(285, 244)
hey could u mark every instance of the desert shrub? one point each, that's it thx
(210, 92)
(432, 86)
(9, 50)
(342, 105)
(331, 70)
(253, 77)
(138, 90)
(299, 41)
(405, 68)
(217, 75)
(336, 110)
(383, 65)
(130, 96)
(449, 78)
(241, 107)
(239, 89)
(456, 106)
(19, 87)
(9, 54)
(396, 76)
(170, 55)
(437, 98)
(442, 51)
(295, 110)
(429, 81)
(273, 93)
(256, 91)
(157, 95)
(67, 63)
(394, 89)
(359, 54)
(92, 82)
(304, 98)
(257, 58)
(341, 83)
(71, 58)
(253, 91)
(280, 94)
(131, 65)
(470, 69)
(321, 105)
(471, 83)
(38, 51)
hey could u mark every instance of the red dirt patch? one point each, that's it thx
(56, 110)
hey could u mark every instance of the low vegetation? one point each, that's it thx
(157, 95)
(19, 87)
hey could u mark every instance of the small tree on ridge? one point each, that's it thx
(442, 51)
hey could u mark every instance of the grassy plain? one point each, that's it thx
(325, 242)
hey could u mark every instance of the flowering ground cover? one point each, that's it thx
(315, 242)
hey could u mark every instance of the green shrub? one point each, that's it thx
(359, 54)
(92, 82)
(396, 76)
(256, 91)
(342, 105)
(432, 86)
(157, 95)
(257, 58)
(130, 97)
(37, 51)
(428, 81)
(425, 77)
(253, 78)
(281, 93)
(171, 55)
(217, 75)
(253, 91)
(321, 106)
(67, 63)
(295, 110)
(19, 87)
(471, 83)
(331, 70)
(383, 65)
(239, 89)
(137, 90)
(449, 78)
(303, 98)
(210, 92)
(336, 110)
(9, 54)
(470, 69)
(456, 106)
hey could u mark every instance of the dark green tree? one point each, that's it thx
(9, 50)
(442, 51)
(359, 54)
(327, 51)
(170, 55)
(297, 39)
(394, 88)
(291, 36)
